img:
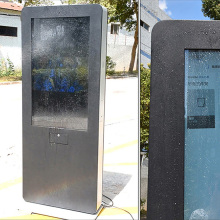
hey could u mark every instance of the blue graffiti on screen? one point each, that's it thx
(55, 83)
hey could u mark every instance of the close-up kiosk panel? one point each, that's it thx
(184, 155)
(64, 63)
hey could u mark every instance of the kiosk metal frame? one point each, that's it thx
(63, 167)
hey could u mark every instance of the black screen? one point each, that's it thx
(60, 52)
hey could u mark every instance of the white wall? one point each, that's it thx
(11, 46)
(119, 47)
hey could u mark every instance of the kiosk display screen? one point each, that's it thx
(202, 135)
(60, 56)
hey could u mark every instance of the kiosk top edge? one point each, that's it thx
(90, 7)
(166, 27)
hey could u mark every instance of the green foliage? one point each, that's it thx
(69, 2)
(144, 106)
(38, 2)
(6, 67)
(110, 66)
(126, 13)
(17, 76)
(211, 9)
(143, 212)
(11, 67)
(109, 4)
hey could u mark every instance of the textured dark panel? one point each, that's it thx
(166, 154)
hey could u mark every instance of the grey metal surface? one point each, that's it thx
(166, 154)
(63, 167)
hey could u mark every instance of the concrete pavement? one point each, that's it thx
(120, 181)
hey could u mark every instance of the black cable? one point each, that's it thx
(112, 203)
(105, 205)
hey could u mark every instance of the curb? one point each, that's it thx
(10, 83)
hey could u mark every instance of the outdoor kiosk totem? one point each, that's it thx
(64, 57)
(184, 154)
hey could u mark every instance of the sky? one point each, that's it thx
(183, 9)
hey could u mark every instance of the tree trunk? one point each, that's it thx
(133, 52)
(134, 48)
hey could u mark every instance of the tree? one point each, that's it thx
(123, 11)
(127, 14)
(211, 9)
(37, 2)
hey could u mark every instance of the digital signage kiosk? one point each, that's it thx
(64, 61)
(184, 154)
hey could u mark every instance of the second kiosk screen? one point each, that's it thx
(202, 135)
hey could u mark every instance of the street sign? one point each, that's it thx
(184, 156)
(64, 56)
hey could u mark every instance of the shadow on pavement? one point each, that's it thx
(113, 184)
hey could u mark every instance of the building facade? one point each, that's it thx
(119, 46)
(150, 14)
(10, 33)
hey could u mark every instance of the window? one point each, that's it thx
(144, 25)
(8, 31)
(115, 28)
